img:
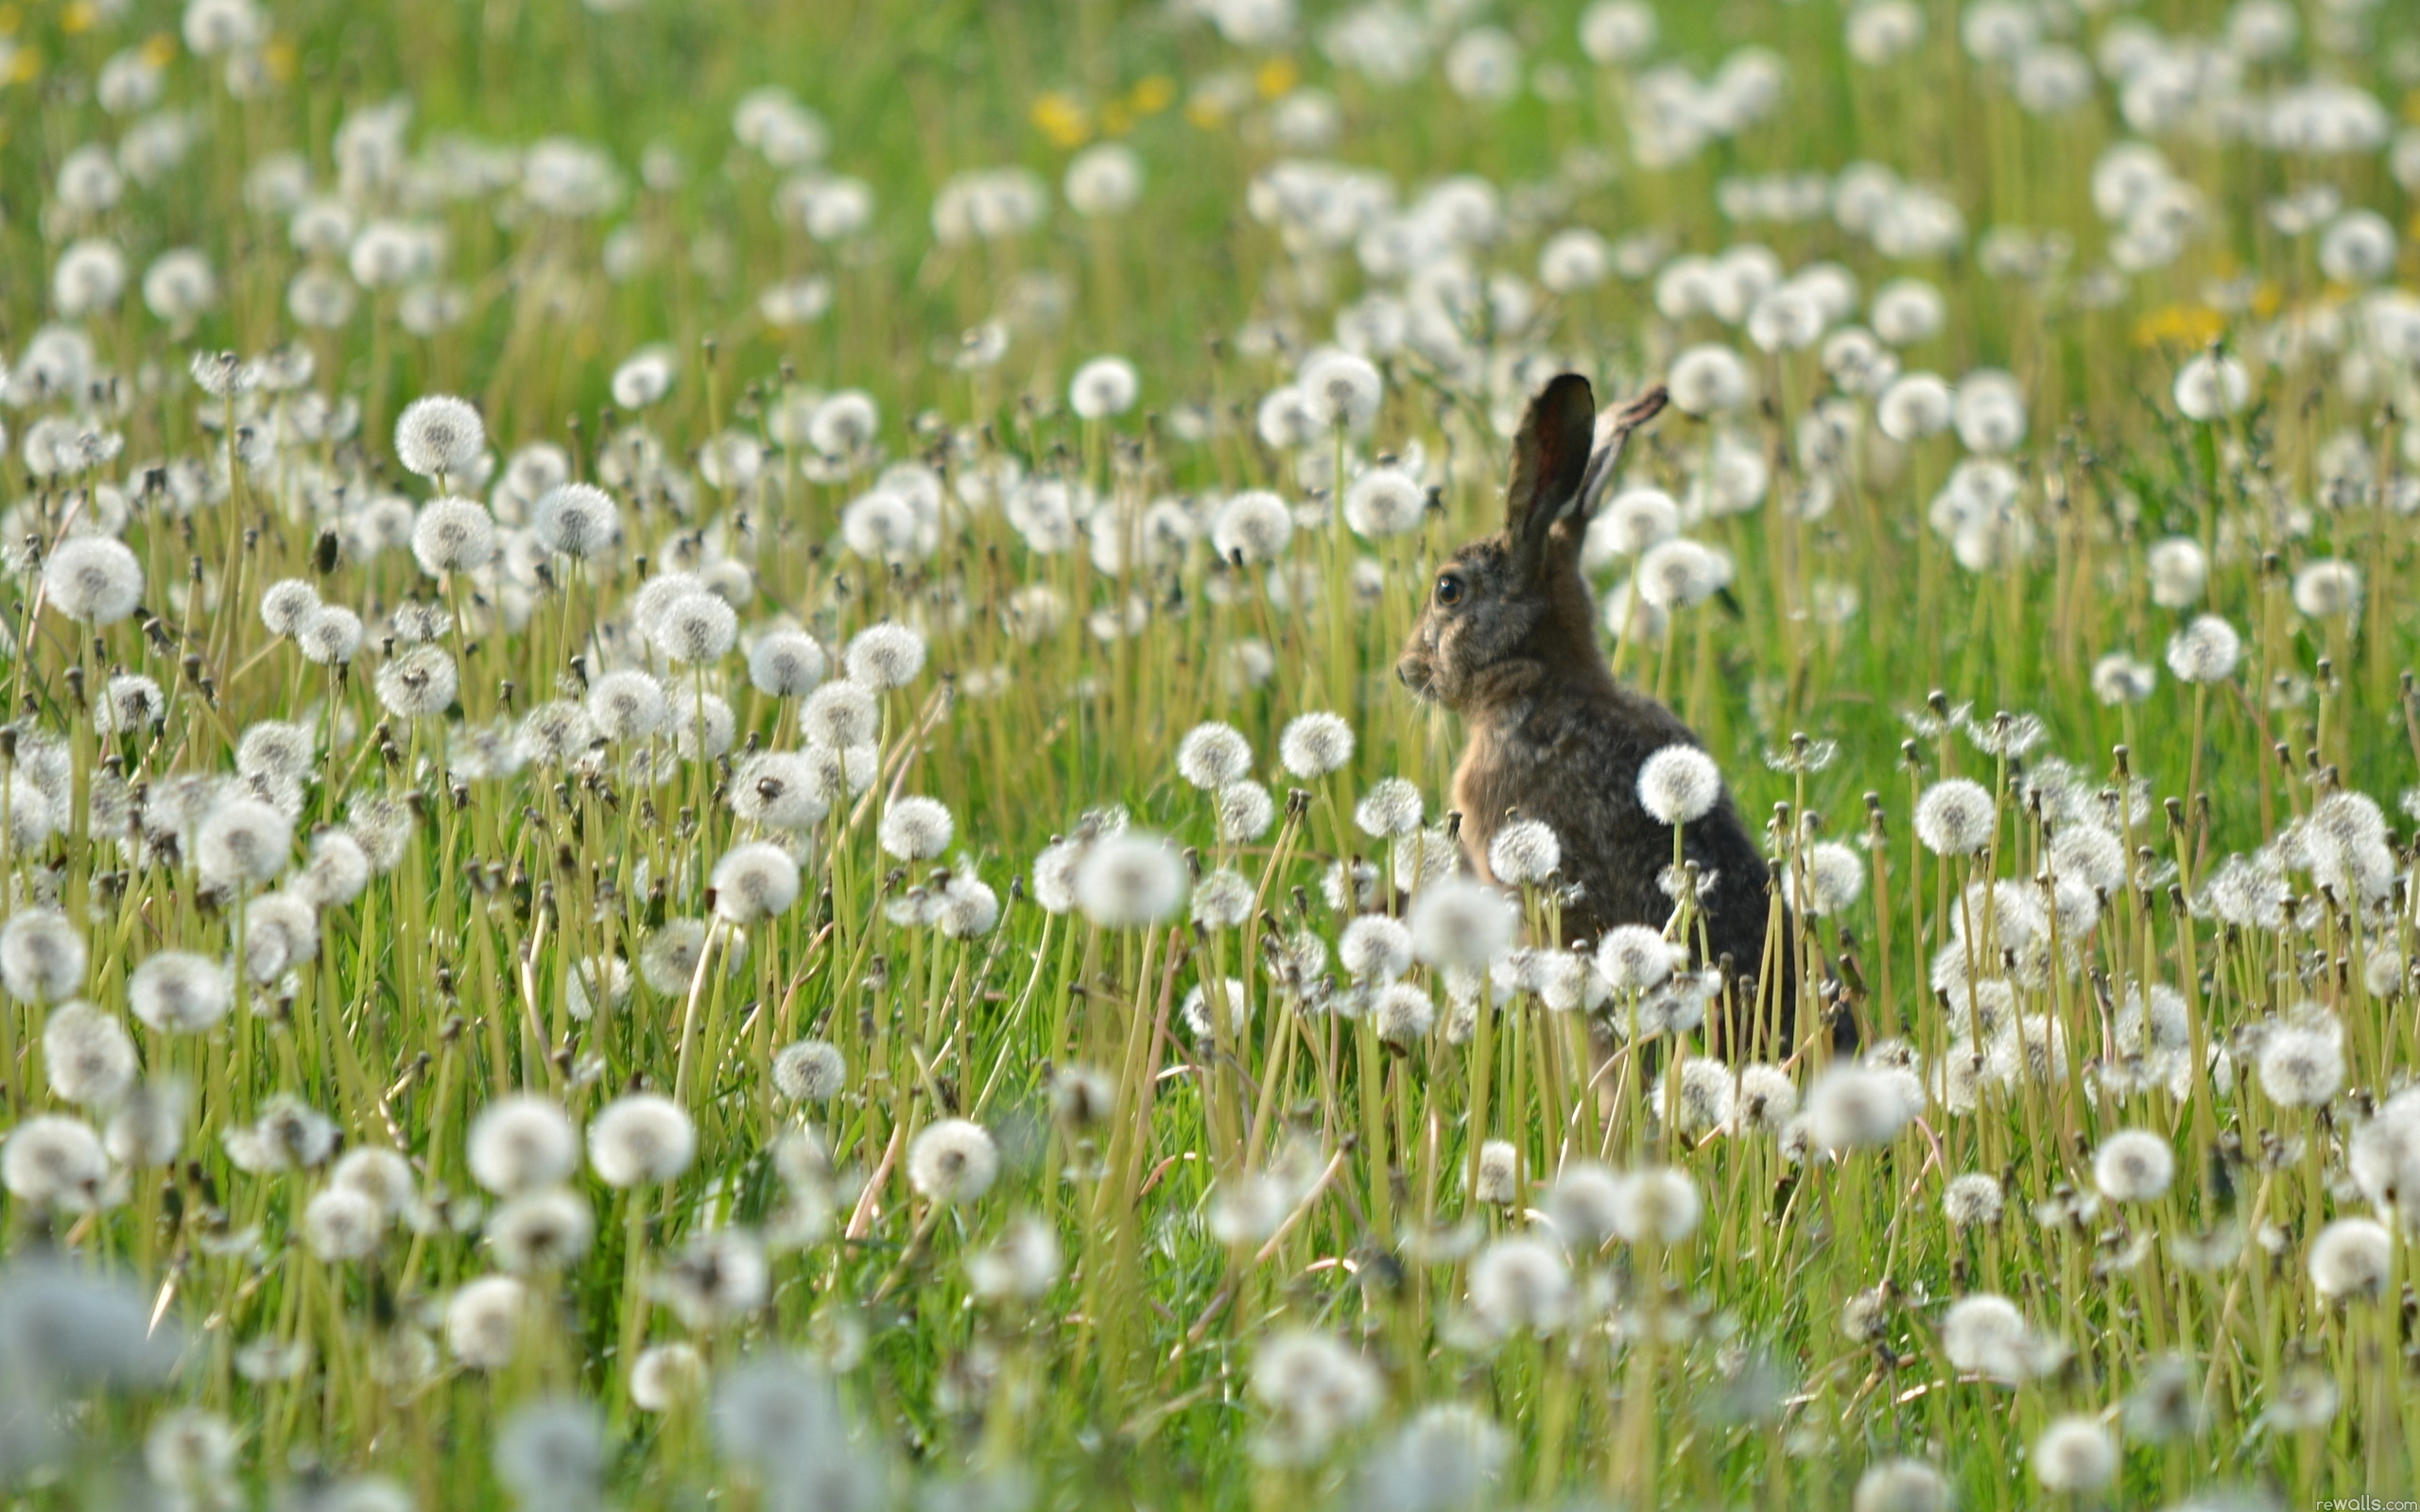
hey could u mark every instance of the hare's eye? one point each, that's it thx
(1450, 589)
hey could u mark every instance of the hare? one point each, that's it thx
(1508, 640)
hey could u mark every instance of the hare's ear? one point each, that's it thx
(1613, 428)
(1549, 460)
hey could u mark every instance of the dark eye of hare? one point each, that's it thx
(1450, 589)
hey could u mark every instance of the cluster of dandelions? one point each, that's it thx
(568, 899)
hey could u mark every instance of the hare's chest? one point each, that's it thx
(1487, 786)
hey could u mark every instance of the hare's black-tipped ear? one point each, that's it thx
(1613, 428)
(1549, 460)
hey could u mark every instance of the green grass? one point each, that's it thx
(1716, 1370)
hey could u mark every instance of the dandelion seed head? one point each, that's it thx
(695, 629)
(1104, 388)
(2204, 651)
(519, 1143)
(1245, 811)
(1984, 1334)
(952, 1162)
(754, 881)
(1389, 809)
(916, 829)
(787, 664)
(1679, 572)
(810, 1070)
(2133, 1165)
(42, 956)
(1521, 1285)
(840, 715)
(286, 603)
(418, 682)
(483, 1322)
(88, 1056)
(439, 434)
(1129, 878)
(93, 579)
(2302, 1065)
(1956, 817)
(1402, 1015)
(53, 1163)
(2327, 590)
(2352, 1260)
(147, 1130)
(1855, 1106)
(2075, 1454)
(1254, 528)
(1524, 853)
(665, 1376)
(1455, 921)
(1212, 755)
(1317, 1389)
(641, 1139)
(1972, 1200)
(1384, 503)
(1679, 784)
(885, 655)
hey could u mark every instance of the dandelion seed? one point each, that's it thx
(952, 1162)
(148, 1131)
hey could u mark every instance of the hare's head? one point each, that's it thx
(1511, 610)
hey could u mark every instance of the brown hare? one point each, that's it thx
(1508, 640)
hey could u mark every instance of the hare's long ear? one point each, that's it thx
(1549, 460)
(1613, 428)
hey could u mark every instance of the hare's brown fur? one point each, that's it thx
(1555, 736)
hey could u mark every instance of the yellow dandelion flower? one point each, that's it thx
(2181, 325)
(1277, 76)
(78, 17)
(1152, 94)
(1058, 116)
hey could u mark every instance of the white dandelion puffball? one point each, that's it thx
(439, 434)
(1314, 745)
(952, 1162)
(2133, 1165)
(916, 829)
(1956, 817)
(2328, 589)
(1211, 755)
(2212, 386)
(754, 881)
(1524, 853)
(1383, 503)
(1340, 390)
(1679, 784)
(1254, 526)
(1129, 878)
(2075, 1453)
(1456, 921)
(1103, 388)
(641, 1139)
(2204, 651)
(1706, 381)
(2352, 1260)
(93, 579)
(884, 656)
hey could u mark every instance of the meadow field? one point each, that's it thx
(706, 803)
